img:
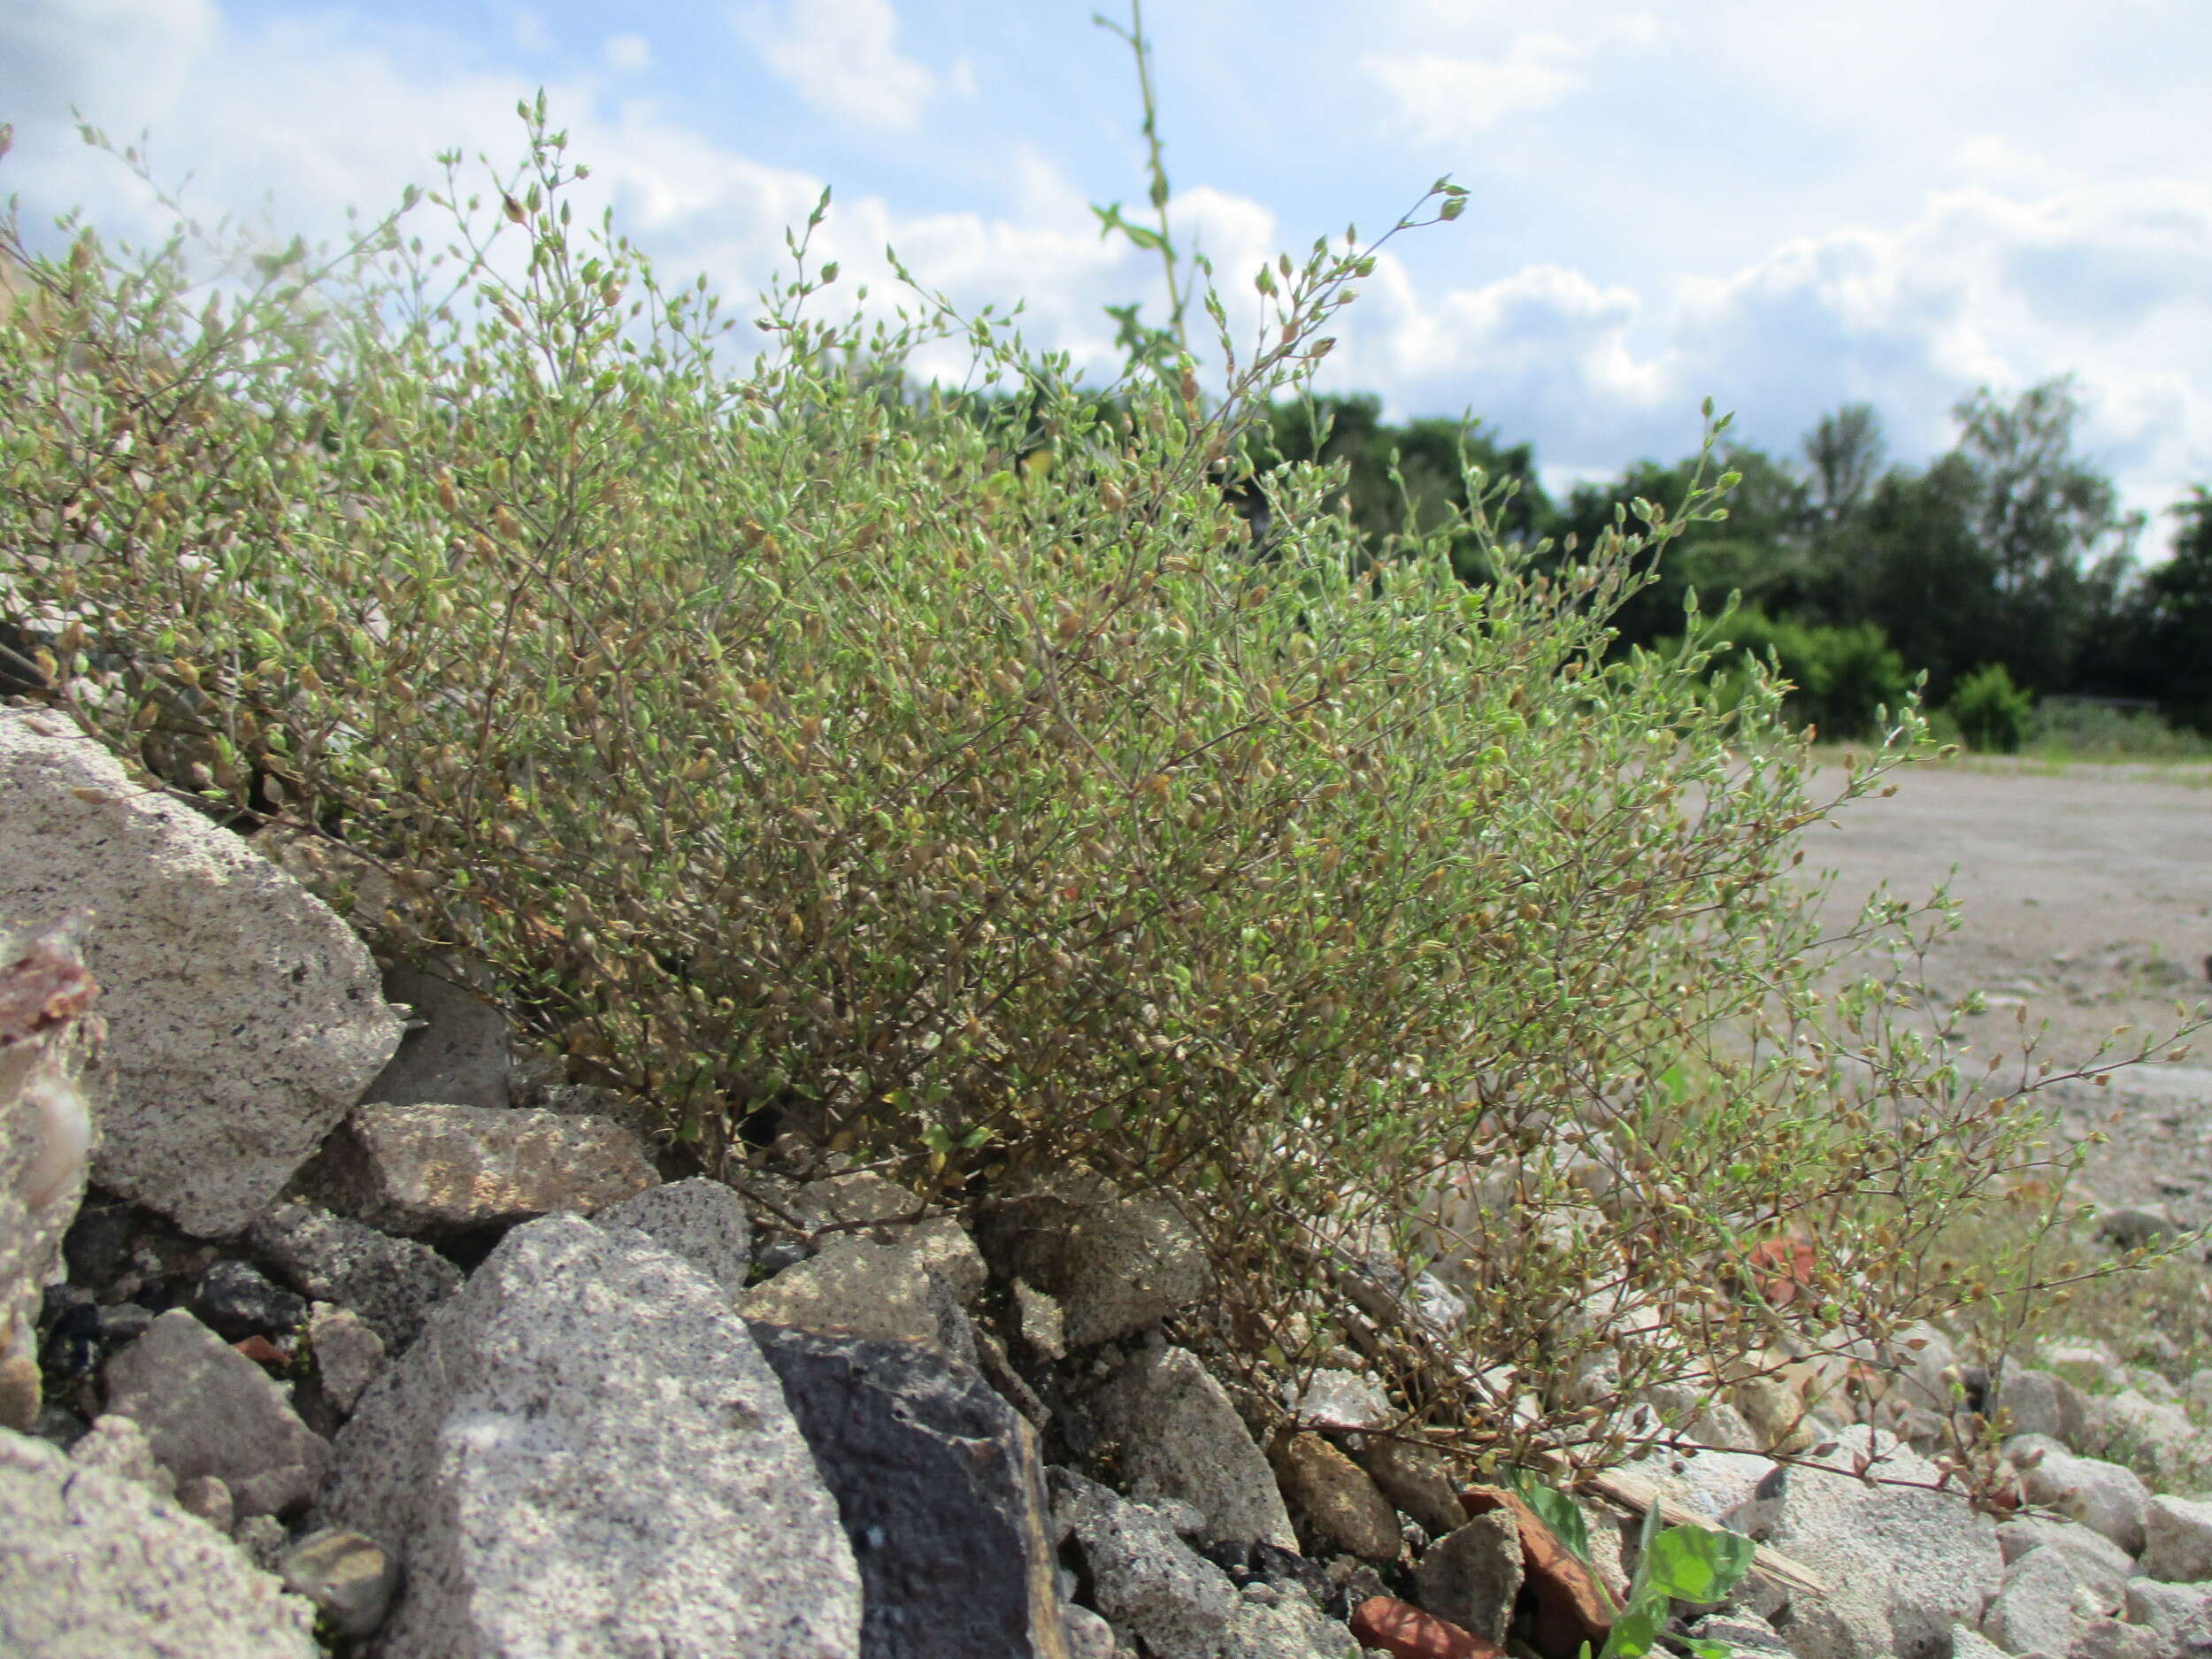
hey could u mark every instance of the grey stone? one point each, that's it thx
(2101, 1565)
(1343, 1399)
(700, 1221)
(1180, 1437)
(1941, 1560)
(1042, 1324)
(47, 1129)
(878, 1291)
(1336, 1499)
(2088, 1365)
(1115, 1265)
(1286, 1627)
(1471, 1575)
(1089, 1635)
(262, 1539)
(2034, 1609)
(348, 1356)
(2177, 1541)
(2166, 1608)
(1971, 1644)
(459, 1052)
(2105, 1496)
(93, 1566)
(118, 1446)
(1745, 1634)
(586, 1446)
(426, 1169)
(1152, 1587)
(346, 1574)
(2039, 1403)
(244, 1018)
(393, 1284)
(918, 1451)
(2131, 1226)
(210, 1410)
(208, 1498)
(2110, 1638)
(2155, 1435)
(1416, 1479)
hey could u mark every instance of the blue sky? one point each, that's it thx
(1784, 206)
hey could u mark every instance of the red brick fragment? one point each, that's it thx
(1399, 1628)
(1571, 1606)
(261, 1351)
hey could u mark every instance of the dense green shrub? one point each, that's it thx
(778, 745)
(1845, 683)
(1992, 712)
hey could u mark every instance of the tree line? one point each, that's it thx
(2006, 569)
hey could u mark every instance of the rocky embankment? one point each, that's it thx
(329, 1330)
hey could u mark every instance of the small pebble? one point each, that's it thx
(344, 1574)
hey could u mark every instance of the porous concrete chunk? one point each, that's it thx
(1150, 1585)
(878, 1291)
(1181, 1438)
(393, 1284)
(1336, 1498)
(346, 1574)
(1115, 1265)
(917, 1452)
(2109, 1497)
(427, 1170)
(93, 1565)
(2177, 1541)
(586, 1444)
(348, 1356)
(2101, 1565)
(210, 1410)
(1471, 1575)
(950, 1256)
(699, 1221)
(116, 1445)
(48, 1125)
(458, 1052)
(244, 1018)
(1089, 1635)
(2034, 1612)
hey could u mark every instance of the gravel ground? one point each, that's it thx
(2087, 900)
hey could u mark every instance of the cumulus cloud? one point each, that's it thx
(628, 53)
(1444, 96)
(842, 56)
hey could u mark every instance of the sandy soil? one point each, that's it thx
(2087, 898)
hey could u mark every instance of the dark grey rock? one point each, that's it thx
(393, 1284)
(210, 1410)
(456, 1055)
(234, 1301)
(918, 1451)
(124, 1322)
(1148, 1582)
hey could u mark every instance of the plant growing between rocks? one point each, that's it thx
(794, 761)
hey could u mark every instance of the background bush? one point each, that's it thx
(1992, 712)
(789, 755)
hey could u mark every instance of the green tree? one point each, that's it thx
(2051, 523)
(2169, 632)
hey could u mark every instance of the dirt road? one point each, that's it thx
(2086, 897)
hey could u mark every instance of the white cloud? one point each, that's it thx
(528, 32)
(1443, 96)
(842, 56)
(629, 52)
